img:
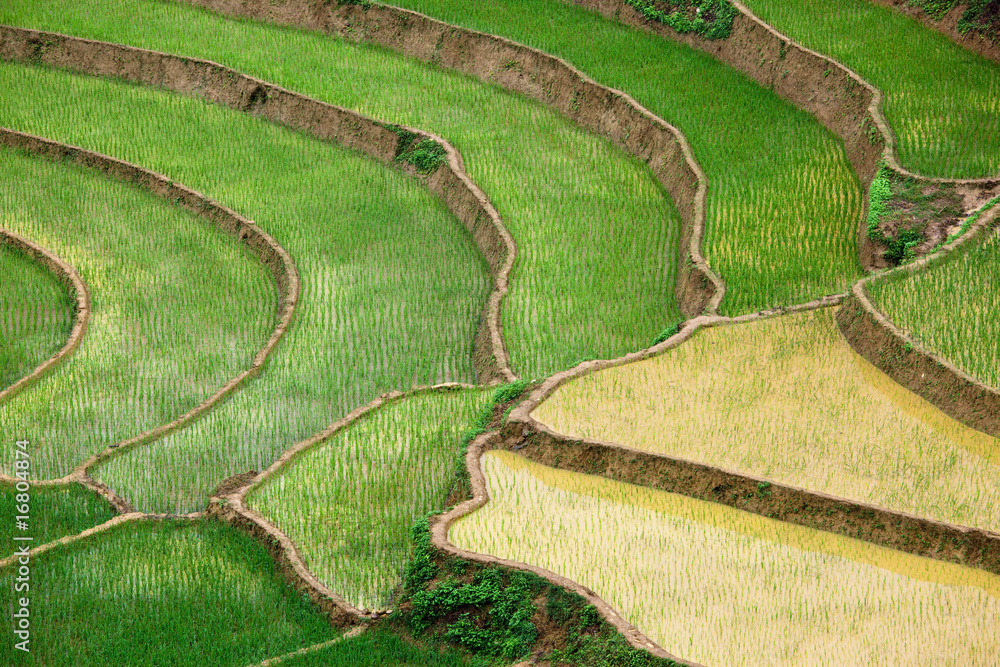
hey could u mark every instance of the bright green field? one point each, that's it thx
(178, 306)
(152, 594)
(783, 204)
(942, 100)
(53, 512)
(36, 315)
(349, 503)
(951, 308)
(596, 235)
(392, 286)
(383, 648)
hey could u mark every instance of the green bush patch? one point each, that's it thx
(709, 18)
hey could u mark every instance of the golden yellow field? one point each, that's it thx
(787, 399)
(723, 587)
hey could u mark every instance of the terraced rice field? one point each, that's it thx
(595, 232)
(36, 315)
(722, 587)
(349, 503)
(206, 305)
(787, 399)
(942, 101)
(783, 205)
(952, 308)
(319, 489)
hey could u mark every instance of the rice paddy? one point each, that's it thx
(57, 511)
(789, 400)
(36, 315)
(178, 307)
(783, 203)
(393, 290)
(392, 286)
(596, 235)
(348, 504)
(724, 588)
(952, 308)
(160, 593)
(942, 101)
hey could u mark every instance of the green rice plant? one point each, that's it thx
(348, 503)
(718, 586)
(179, 307)
(596, 235)
(157, 594)
(783, 203)
(36, 315)
(54, 512)
(787, 399)
(392, 286)
(952, 307)
(942, 101)
(384, 647)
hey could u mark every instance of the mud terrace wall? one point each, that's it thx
(327, 122)
(70, 279)
(542, 77)
(900, 357)
(948, 25)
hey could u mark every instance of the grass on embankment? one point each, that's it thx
(942, 101)
(151, 593)
(952, 308)
(53, 512)
(36, 315)
(722, 587)
(392, 285)
(349, 503)
(789, 400)
(596, 235)
(178, 306)
(783, 203)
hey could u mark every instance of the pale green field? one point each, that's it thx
(36, 315)
(787, 399)
(952, 308)
(178, 307)
(348, 504)
(392, 285)
(596, 235)
(725, 588)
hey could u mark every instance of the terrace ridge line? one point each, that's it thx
(267, 250)
(82, 309)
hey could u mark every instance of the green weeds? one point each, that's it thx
(710, 18)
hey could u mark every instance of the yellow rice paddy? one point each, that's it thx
(789, 400)
(722, 587)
